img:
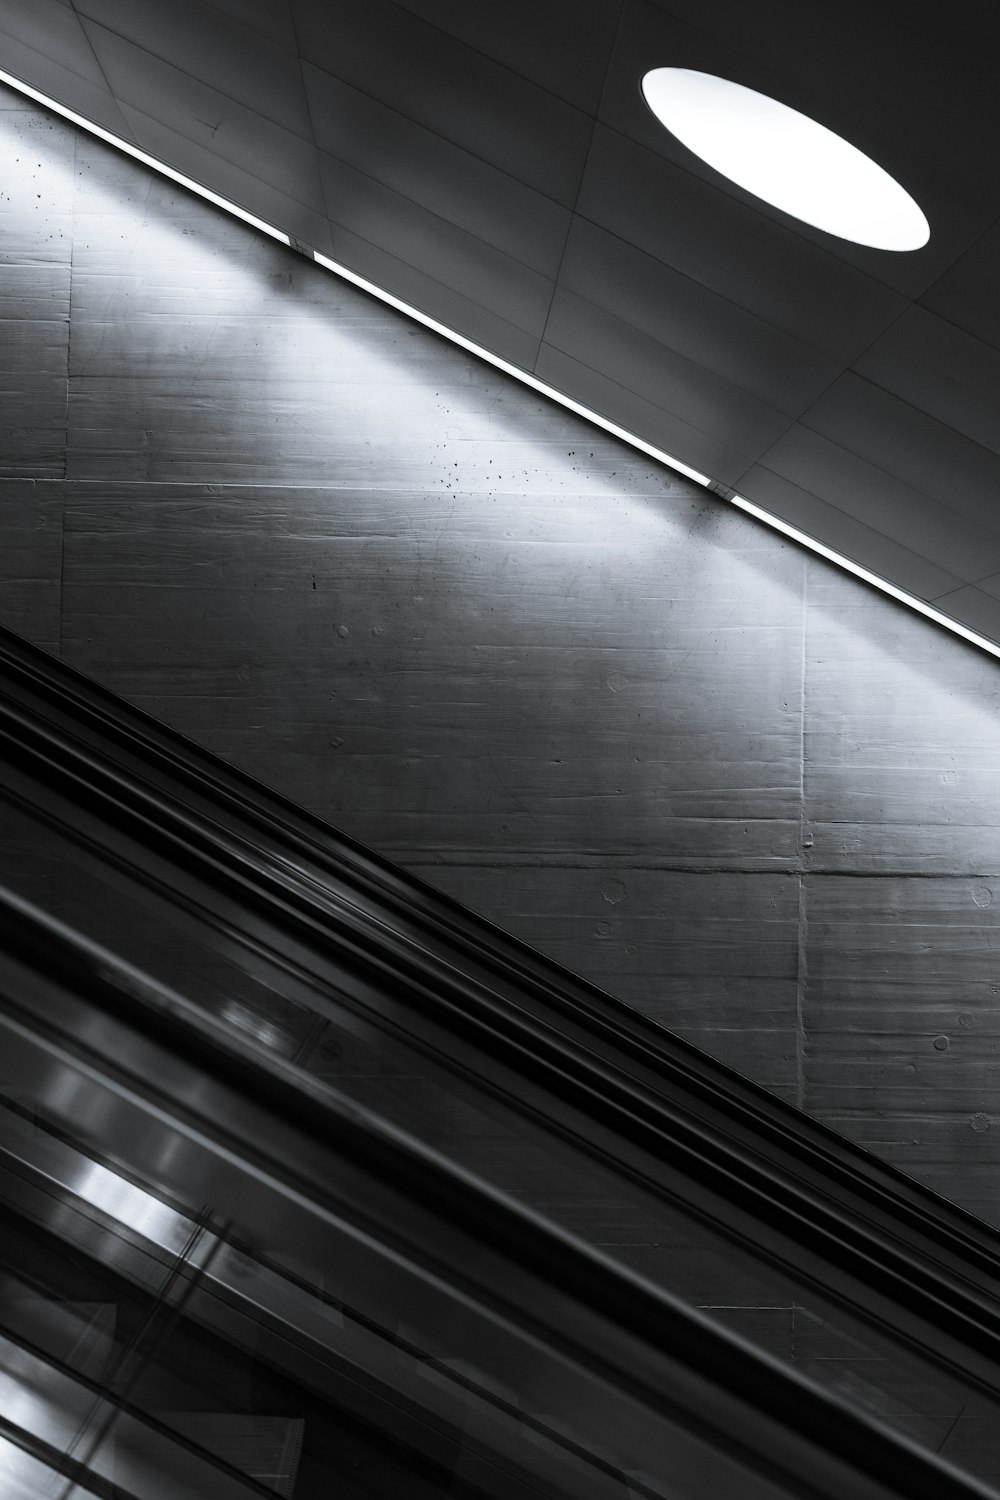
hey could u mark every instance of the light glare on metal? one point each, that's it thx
(785, 158)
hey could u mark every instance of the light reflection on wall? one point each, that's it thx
(929, 611)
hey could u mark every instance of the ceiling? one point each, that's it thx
(494, 165)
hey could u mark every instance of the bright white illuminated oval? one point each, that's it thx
(786, 159)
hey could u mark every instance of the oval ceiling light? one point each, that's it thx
(786, 159)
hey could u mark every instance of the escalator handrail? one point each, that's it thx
(651, 1086)
(754, 1406)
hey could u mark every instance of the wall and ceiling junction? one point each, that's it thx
(498, 170)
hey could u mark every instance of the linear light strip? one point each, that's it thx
(144, 157)
(883, 584)
(509, 369)
(631, 438)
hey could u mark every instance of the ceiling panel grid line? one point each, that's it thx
(559, 274)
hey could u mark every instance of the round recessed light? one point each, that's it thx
(786, 159)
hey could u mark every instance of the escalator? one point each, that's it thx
(314, 1184)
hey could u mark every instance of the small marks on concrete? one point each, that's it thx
(941, 1043)
(980, 1122)
(614, 892)
(982, 895)
(342, 631)
(949, 778)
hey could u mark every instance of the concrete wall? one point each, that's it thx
(731, 785)
(496, 166)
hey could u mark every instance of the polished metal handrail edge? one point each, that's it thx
(924, 1250)
(723, 1385)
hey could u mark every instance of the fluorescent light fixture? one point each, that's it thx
(633, 440)
(785, 158)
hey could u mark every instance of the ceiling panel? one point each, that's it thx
(224, 127)
(435, 297)
(531, 37)
(943, 371)
(271, 17)
(852, 538)
(438, 248)
(52, 28)
(681, 386)
(65, 68)
(694, 321)
(215, 48)
(390, 148)
(969, 291)
(927, 456)
(974, 608)
(990, 586)
(202, 164)
(753, 261)
(666, 430)
(870, 494)
(450, 88)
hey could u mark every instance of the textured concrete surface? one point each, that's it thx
(734, 787)
(497, 167)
